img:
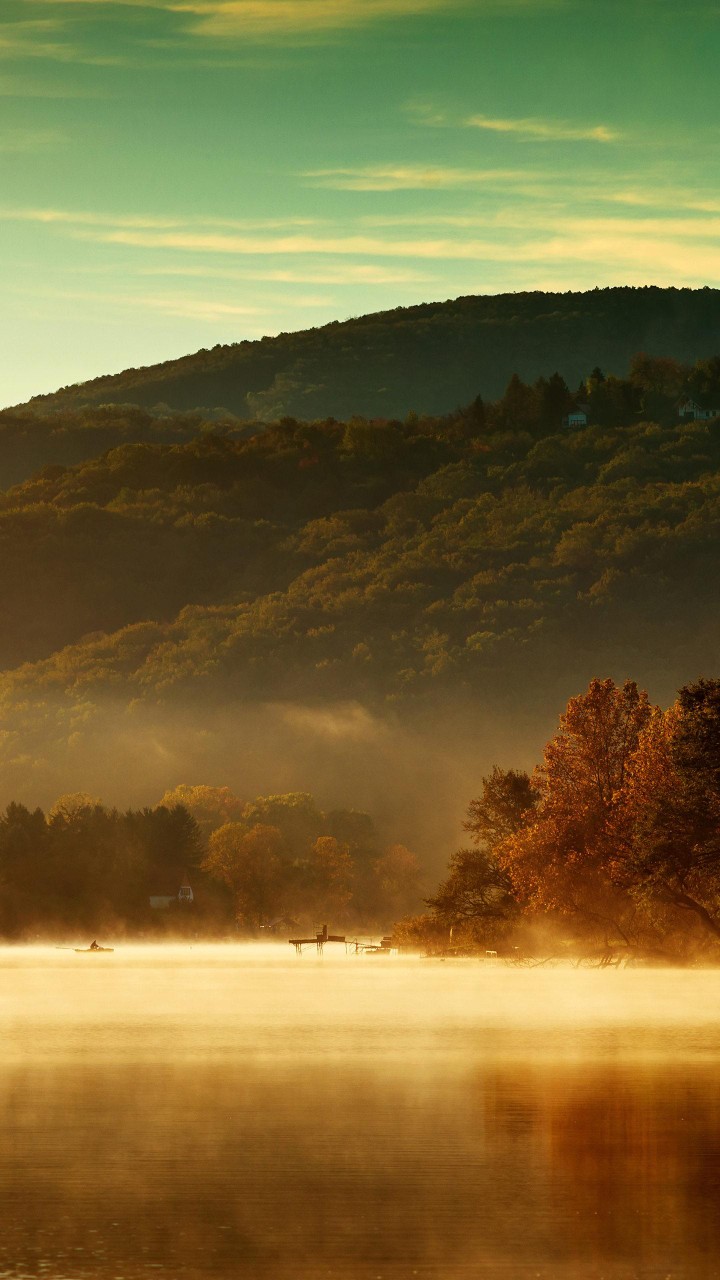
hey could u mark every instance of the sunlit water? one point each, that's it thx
(242, 1112)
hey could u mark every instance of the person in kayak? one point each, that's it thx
(94, 946)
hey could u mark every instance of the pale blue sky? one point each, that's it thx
(188, 172)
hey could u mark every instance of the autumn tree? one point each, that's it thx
(211, 807)
(478, 889)
(667, 825)
(248, 862)
(397, 877)
(508, 797)
(331, 878)
(659, 374)
(295, 815)
(71, 806)
(558, 860)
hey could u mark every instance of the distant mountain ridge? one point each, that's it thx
(429, 358)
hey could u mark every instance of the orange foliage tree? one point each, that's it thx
(558, 859)
(211, 807)
(248, 862)
(331, 878)
(397, 876)
(666, 828)
(478, 891)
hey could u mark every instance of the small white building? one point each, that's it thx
(698, 409)
(163, 901)
(185, 893)
(578, 416)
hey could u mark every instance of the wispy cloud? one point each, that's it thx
(676, 249)
(655, 198)
(90, 218)
(684, 229)
(214, 309)
(532, 130)
(666, 255)
(82, 217)
(207, 309)
(279, 21)
(23, 87)
(426, 113)
(182, 306)
(34, 39)
(526, 128)
(43, 38)
(408, 178)
(15, 140)
(259, 19)
(342, 274)
(351, 245)
(652, 259)
(347, 274)
(493, 219)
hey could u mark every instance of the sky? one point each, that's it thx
(183, 173)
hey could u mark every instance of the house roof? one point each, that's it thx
(703, 400)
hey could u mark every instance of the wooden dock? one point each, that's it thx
(321, 937)
(359, 946)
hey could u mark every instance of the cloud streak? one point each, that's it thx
(284, 21)
(408, 178)
(341, 274)
(280, 19)
(22, 87)
(532, 130)
(267, 16)
(42, 38)
(89, 218)
(34, 39)
(595, 243)
(15, 140)
(506, 245)
(355, 246)
(525, 128)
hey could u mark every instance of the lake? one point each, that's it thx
(239, 1111)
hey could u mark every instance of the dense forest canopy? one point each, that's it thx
(371, 557)
(351, 575)
(31, 439)
(427, 358)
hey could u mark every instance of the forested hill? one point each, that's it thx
(482, 557)
(428, 358)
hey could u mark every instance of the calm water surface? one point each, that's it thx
(241, 1112)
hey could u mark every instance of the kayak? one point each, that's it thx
(91, 951)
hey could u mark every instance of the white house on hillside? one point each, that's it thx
(699, 408)
(577, 417)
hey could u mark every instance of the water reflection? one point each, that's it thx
(229, 1113)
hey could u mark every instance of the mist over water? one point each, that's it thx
(413, 766)
(240, 1111)
(415, 774)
